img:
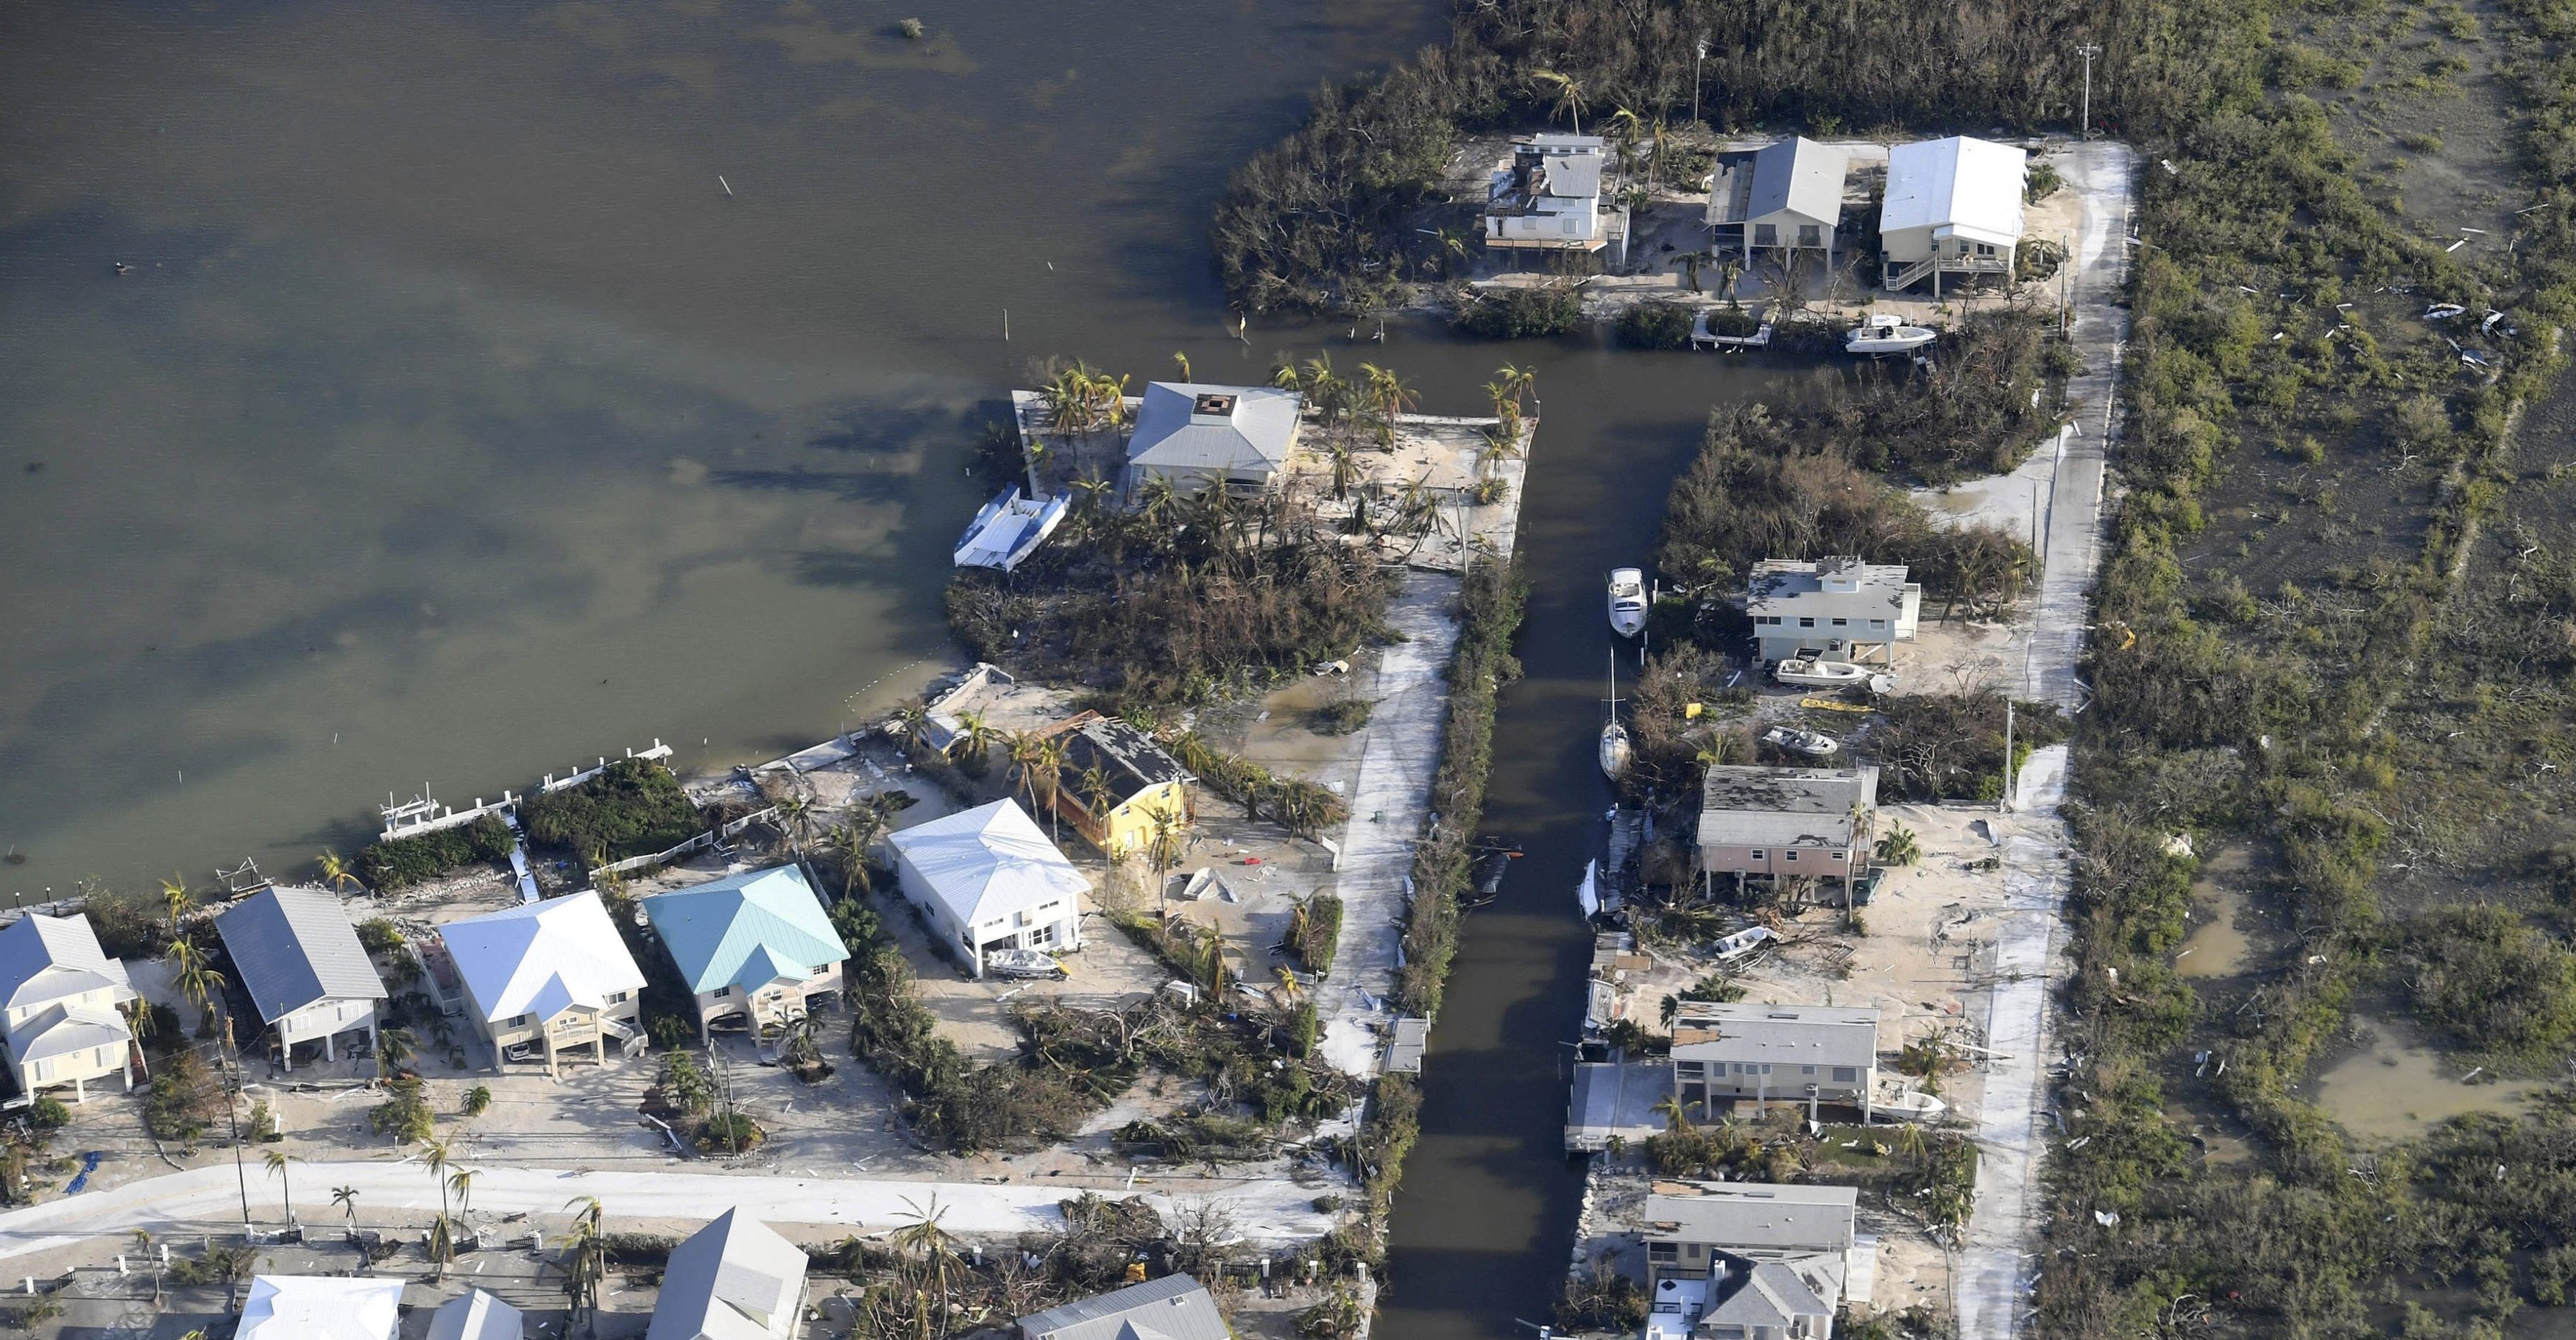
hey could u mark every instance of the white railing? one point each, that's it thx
(699, 843)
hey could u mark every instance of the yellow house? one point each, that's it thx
(1116, 781)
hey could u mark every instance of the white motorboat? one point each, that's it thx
(1829, 674)
(1627, 602)
(1885, 335)
(1814, 744)
(1008, 530)
(1899, 1101)
(1614, 736)
(1023, 963)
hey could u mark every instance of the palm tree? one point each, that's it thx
(336, 872)
(175, 896)
(1289, 986)
(199, 983)
(1095, 799)
(442, 1243)
(1182, 361)
(1626, 128)
(1021, 748)
(1387, 397)
(461, 1182)
(1690, 263)
(1669, 1011)
(346, 1197)
(798, 812)
(912, 724)
(393, 1047)
(974, 738)
(1050, 762)
(1898, 846)
(1676, 1117)
(1569, 94)
(585, 1260)
(934, 1244)
(277, 1161)
(478, 1100)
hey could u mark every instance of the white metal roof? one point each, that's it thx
(542, 958)
(1801, 177)
(65, 1029)
(321, 1307)
(988, 862)
(293, 947)
(1188, 426)
(46, 958)
(477, 1316)
(1743, 1032)
(734, 1279)
(1754, 1215)
(1958, 187)
(1175, 1307)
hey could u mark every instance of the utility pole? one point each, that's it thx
(2004, 805)
(241, 1176)
(1699, 54)
(2088, 51)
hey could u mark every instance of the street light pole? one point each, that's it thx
(2088, 51)
(1700, 54)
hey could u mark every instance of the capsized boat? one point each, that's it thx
(1008, 530)
(1020, 963)
(1802, 670)
(1884, 334)
(1814, 744)
(1627, 602)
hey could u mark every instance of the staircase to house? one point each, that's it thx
(1907, 276)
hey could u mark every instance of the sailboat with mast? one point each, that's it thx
(1614, 736)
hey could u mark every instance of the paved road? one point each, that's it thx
(204, 1199)
(2011, 1127)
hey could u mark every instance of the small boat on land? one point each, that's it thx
(1020, 963)
(1829, 673)
(1614, 736)
(1814, 744)
(1886, 335)
(1008, 530)
(1627, 602)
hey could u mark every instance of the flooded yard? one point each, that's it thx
(2394, 1087)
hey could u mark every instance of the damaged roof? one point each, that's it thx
(1750, 805)
(1125, 754)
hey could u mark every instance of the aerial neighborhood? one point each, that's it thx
(1091, 984)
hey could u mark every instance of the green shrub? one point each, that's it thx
(47, 1113)
(634, 807)
(2491, 981)
(1521, 314)
(1659, 323)
(1315, 932)
(183, 1099)
(406, 861)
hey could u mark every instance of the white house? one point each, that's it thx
(296, 953)
(61, 992)
(548, 979)
(734, 1279)
(1953, 207)
(1815, 1053)
(1788, 199)
(1195, 436)
(1839, 608)
(321, 1307)
(989, 879)
(1753, 1260)
(1547, 197)
(1801, 822)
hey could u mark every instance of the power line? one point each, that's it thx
(2088, 51)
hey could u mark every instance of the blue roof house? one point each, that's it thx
(755, 946)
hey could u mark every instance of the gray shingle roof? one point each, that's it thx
(1798, 176)
(1127, 756)
(1767, 1294)
(1745, 805)
(1795, 587)
(1175, 1307)
(293, 947)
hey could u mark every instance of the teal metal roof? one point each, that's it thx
(746, 930)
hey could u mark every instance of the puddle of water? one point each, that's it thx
(2216, 946)
(2397, 1088)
